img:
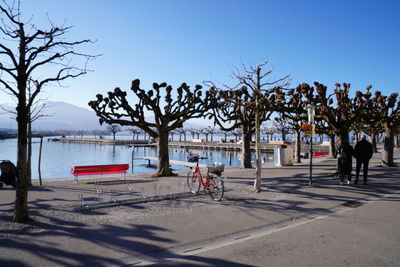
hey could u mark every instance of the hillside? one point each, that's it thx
(66, 116)
(62, 116)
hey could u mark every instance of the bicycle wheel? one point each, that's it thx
(193, 182)
(216, 187)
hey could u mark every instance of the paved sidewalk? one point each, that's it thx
(153, 232)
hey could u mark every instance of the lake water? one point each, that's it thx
(59, 157)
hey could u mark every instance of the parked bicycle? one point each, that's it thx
(213, 182)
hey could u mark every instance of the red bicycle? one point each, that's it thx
(213, 182)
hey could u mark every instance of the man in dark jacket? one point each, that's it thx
(363, 153)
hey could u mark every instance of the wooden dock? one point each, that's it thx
(176, 162)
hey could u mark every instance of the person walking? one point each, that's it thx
(363, 153)
(345, 166)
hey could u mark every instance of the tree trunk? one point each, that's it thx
(343, 135)
(297, 149)
(246, 150)
(163, 168)
(21, 200)
(357, 134)
(387, 156)
(321, 138)
(40, 160)
(29, 163)
(397, 140)
(373, 141)
(257, 180)
(332, 146)
(113, 136)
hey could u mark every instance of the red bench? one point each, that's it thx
(99, 170)
(320, 154)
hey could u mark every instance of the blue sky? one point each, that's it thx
(190, 41)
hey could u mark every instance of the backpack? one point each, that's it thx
(343, 155)
(8, 173)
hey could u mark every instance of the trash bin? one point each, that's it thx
(283, 155)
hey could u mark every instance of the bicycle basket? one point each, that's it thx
(216, 168)
(193, 158)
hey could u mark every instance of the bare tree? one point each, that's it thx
(339, 115)
(35, 113)
(269, 132)
(114, 129)
(385, 110)
(195, 132)
(237, 133)
(135, 132)
(283, 126)
(24, 52)
(209, 131)
(172, 133)
(371, 117)
(168, 116)
(181, 131)
(247, 104)
(225, 133)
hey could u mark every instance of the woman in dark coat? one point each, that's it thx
(345, 153)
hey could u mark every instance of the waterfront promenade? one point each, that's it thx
(204, 145)
(288, 224)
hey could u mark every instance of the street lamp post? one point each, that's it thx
(311, 113)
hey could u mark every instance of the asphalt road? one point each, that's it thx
(288, 224)
(365, 235)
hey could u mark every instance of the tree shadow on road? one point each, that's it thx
(55, 238)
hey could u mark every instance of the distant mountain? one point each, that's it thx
(65, 116)
(61, 116)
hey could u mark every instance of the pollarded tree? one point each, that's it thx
(283, 126)
(42, 56)
(371, 118)
(171, 134)
(169, 114)
(194, 132)
(237, 133)
(294, 113)
(181, 131)
(135, 132)
(114, 129)
(386, 110)
(339, 115)
(229, 114)
(209, 131)
(269, 132)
